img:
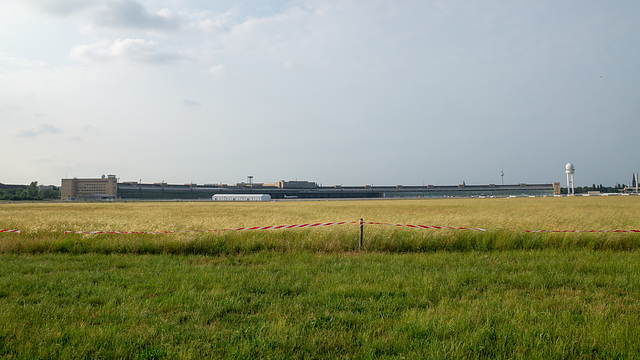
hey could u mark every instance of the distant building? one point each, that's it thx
(633, 188)
(241, 197)
(108, 188)
(105, 188)
(12, 187)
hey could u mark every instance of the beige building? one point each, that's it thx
(89, 189)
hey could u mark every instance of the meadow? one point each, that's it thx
(310, 293)
(43, 225)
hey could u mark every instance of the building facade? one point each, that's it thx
(108, 188)
(307, 190)
(105, 188)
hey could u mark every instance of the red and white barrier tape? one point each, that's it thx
(582, 231)
(292, 226)
(296, 226)
(426, 227)
(11, 231)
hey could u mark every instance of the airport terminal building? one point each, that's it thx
(104, 188)
(108, 188)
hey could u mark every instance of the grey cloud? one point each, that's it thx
(40, 130)
(74, 138)
(131, 14)
(112, 13)
(193, 103)
(62, 7)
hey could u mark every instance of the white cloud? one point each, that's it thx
(217, 71)
(215, 25)
(290, 64)
(125, 50)
(12, 61)
(281, 29)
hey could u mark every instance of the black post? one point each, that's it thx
(361, 232)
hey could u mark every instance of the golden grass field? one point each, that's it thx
(510, 214)
(43, 225)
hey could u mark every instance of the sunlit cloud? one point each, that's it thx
(127, 50)
(217, 71)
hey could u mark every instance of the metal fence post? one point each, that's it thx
(361, 232)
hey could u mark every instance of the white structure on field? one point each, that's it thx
(241, 197)
(570, 169)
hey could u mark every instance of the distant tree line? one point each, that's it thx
(31, 192)
(594, 187)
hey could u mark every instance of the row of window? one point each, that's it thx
(91, 188)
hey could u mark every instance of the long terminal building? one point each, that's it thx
(108, 188)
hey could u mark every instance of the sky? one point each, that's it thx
(350, 92)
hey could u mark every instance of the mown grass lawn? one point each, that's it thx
(507, 304)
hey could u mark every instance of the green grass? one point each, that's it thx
(335, 239)
(511, 304)
(309, 293)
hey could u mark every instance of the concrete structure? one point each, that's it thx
(105, 188)
(241, 197)
(570, 169)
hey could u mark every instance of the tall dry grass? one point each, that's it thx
(43, 225)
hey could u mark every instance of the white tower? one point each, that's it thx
(570, 169)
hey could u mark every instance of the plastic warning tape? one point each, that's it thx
(292, 226)
(274, 227)
(10, 231)
(582, 231)
(296, 226)
(426, 226)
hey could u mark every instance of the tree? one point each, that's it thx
(32, 191)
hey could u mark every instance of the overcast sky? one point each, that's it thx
(338, 92)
